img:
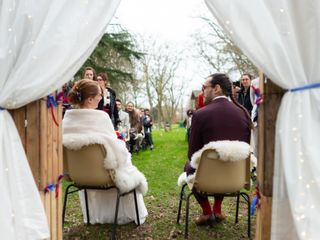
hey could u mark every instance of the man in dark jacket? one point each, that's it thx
(219, 119)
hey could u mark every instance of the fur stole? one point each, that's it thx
(82, 127)
(227, 151)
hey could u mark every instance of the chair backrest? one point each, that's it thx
(218, 176)
(85, 166)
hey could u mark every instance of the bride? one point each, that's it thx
(85, 125)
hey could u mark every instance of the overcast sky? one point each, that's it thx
(171, 21)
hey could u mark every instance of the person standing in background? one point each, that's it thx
(188, 122)
(89, 73)
(244, 98)
(147, 124)
(108, 102)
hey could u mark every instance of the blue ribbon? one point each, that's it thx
(52, 101)
(1, 108)
(309, 86)
(254, 202)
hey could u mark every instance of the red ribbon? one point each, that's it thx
(54, 187)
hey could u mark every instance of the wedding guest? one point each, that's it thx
(89, 73)
(220, 119)
(108, 102)
(147, 126)
(85, 96)
(124, 124)
(136, 131)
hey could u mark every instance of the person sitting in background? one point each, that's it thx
(136, 132)
(220, 119)
(108, 102)
(147, 125)
(77, 132)
(124, 124)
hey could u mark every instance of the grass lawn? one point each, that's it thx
(162, 167)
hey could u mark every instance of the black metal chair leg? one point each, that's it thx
(237, 207)
(65, 203)
(180, 202)
(247, 199)
(136, 206)
(187, 215)
(113, 236)
(87, 205)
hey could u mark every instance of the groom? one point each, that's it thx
(219, 119)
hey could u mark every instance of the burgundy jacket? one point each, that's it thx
(219, 120)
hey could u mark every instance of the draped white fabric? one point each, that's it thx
(281, 37)
(42, 45)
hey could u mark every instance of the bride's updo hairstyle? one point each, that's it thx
(82, 90)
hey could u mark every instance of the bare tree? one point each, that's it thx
(158, 68)
(175, 93)
(219, 51)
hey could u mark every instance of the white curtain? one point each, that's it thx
(282, 38)
(42, 45)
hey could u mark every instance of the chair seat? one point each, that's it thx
(214, 176)
(85, 168)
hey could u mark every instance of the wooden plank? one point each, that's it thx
(55, 174)
(261, 136)
(267, 122)
(264, 215)
(60, 171)
(19, 117)
(50, 178)
(270, 107)
(43, 143)
(33, 138)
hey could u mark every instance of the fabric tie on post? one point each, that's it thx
(306, 87)
(52, 103)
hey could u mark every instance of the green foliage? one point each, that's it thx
(114, 55)
(162, 167)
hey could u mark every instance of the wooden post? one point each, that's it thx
(268, 111)
(42, 141)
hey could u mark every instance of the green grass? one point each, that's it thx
(162, 167)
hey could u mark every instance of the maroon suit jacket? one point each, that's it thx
(219, 120)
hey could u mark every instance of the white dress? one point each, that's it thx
(102, 205)
(86, 126)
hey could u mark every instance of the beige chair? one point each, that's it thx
(215, 176)
(85, 168)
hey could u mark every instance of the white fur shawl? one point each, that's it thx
(82, 127)
(227, 151)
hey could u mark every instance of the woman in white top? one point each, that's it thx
(85, 125)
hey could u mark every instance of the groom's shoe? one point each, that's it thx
(220, 217)
(205, 220)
